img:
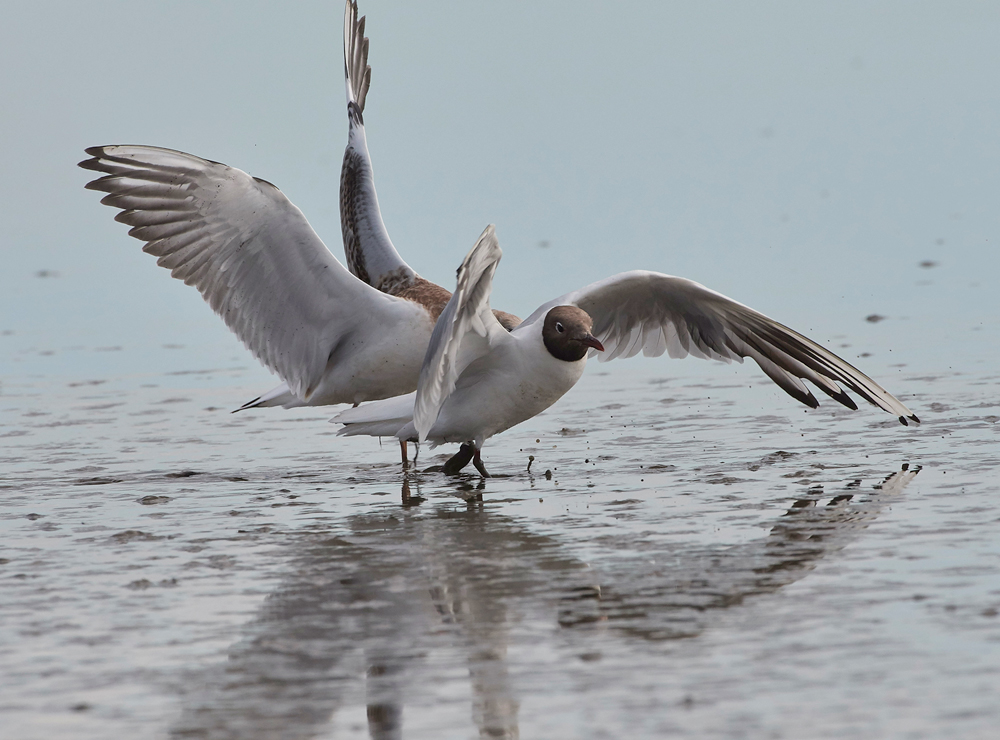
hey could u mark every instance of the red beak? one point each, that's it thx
(591, 341)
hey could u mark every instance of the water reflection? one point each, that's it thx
(419, 601)
(679, 600)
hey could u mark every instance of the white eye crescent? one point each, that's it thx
(559, 327)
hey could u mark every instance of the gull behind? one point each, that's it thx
(332, 336)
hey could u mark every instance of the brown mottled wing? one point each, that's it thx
(367, 247)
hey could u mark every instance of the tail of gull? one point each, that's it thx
(391, 417)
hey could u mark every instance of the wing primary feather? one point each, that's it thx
(456, 341)
(152, 218)
(840, 396)
(96, 165)
(832, 366)
(148, 202)
(134, 182)
(789, 384)
(790, 364)
(356, 70)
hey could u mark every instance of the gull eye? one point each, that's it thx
(560, 328)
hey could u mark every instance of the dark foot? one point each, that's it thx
(460, 459)
(478, 462)
(402, 449)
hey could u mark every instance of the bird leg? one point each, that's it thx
(460, 459)
(402, 449)
(478, 462)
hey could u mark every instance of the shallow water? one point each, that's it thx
(686, 556)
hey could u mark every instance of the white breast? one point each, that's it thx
(517, 380)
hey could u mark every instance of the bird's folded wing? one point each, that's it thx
(462, 334)
(252, 255)
(655, 313)
(369, 251)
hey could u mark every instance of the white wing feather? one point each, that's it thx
(655, 313)
(462, 333)
(252, 255)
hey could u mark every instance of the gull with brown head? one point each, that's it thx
(478, 379)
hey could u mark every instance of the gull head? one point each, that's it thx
(566, 333)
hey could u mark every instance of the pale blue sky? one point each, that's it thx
(801, 158)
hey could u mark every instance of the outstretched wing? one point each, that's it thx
(655, 313)
(370, 254)
(252, 255)
(463, 331)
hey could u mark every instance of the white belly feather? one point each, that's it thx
(514, 382)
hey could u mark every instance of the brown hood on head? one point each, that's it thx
(566, 333)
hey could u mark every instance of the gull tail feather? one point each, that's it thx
(384, 418)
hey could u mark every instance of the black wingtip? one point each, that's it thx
(847, 401)
(840, 396)
(94, 163)
(806, 398)
(247, 405)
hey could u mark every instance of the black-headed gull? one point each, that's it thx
(478, 380)
(331, 335)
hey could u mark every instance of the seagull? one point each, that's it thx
(478, 379)
(333, 335)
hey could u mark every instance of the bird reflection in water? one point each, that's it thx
(678, 600)
(406, 596)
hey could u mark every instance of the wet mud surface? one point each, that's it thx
(684, 557)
